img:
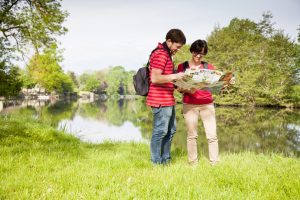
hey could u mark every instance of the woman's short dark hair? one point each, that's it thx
(198, 47)
(176, 35)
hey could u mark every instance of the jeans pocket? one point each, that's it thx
(156, 110)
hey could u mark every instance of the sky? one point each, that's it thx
(116, 32)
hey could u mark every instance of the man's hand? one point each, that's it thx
(158, 78)
(179, 76)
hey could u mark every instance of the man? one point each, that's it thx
(160, 96)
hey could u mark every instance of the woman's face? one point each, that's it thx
(197, 56)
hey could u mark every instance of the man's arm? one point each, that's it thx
(158, 78)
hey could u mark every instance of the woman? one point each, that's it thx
(199, 103)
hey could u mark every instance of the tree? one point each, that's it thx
(295, 93)
(45, 70)
(89, 82)
(128, 82)
(263, 57)
(115, 76)
(183, 54)
(108, 81)
(25, 24)
(10, 84)
(265, 60)
(27, 81)
(30, 22)
(73, 77)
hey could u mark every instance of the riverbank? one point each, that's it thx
(39, 162)
(218, 100)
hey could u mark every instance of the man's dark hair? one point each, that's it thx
(176, 35)
(198, 47)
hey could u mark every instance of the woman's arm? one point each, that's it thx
(191, 91)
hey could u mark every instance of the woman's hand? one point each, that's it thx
(191, 91)
(232, 81)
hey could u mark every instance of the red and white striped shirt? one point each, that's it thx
(161, 94)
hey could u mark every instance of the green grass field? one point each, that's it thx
(38, 162)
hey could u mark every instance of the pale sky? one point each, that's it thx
(116, 32)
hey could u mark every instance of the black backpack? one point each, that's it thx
(141, 78)
(141, 81)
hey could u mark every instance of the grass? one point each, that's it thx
(39, 162)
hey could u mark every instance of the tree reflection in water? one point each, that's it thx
(261, 130)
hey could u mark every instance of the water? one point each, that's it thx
(261, 130)
(94, 131)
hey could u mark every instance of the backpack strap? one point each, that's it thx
(185, 65)
(165, 47)
(205, 64)
(148, 63)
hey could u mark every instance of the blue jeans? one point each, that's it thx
(164, 128)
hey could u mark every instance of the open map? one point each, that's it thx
(203, 78)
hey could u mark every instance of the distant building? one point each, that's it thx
(35, 93)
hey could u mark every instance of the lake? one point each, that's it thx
(260, 130)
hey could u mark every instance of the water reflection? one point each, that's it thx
(239, 129)
(91, 130)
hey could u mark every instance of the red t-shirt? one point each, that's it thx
(200, 96)
(161, 94)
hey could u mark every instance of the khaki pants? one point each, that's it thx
(207, 113)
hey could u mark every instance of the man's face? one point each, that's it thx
(174, 46)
